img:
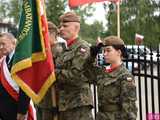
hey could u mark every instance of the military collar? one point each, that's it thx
(73, 44)
(117, 71)
(70, 42)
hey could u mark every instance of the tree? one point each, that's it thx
(14, 10)
(54, 9)
(92, 31)
(89, 32)
(137, 16)
(10, 10)
(3, 9)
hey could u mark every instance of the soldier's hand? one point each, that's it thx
(21, 116)
(98, 41)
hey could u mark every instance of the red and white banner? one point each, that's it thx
(138, 39)
(76, 3)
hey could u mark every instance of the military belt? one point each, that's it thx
(110, 108)
(53, 110)
(70, 88)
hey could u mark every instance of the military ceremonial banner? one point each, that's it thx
(33, 68)
(76, 3)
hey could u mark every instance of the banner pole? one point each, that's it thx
(54, 100)
(118, 19)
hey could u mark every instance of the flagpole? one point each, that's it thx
(54, 100)
(118, 19)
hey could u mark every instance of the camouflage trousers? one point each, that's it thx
(44, 114)
(109, 116)
(80, 113)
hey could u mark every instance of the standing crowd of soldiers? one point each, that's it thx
(70, 97)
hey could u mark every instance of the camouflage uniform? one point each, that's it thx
(75, 97)
(116, 86)
(116, 95)
(45, 107)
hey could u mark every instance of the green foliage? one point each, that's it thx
(3, 9)
(89, 32)
(84, 11)
(137, 16)
(9, 10)
(14, 10)
(54, 9)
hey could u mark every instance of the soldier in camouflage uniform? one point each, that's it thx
(46, 108)
(75, 98)
(116, 86)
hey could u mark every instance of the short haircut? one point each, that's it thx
(9, 36)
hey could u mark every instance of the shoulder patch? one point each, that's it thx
(83, 50)
(129, 79)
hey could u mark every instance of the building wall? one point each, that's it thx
(4, 27)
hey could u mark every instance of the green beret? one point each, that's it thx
(113, 40)
(70, 17)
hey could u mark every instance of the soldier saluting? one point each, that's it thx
(116, 86)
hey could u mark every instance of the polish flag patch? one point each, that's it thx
(83, 50)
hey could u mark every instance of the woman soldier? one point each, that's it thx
(116, 85)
